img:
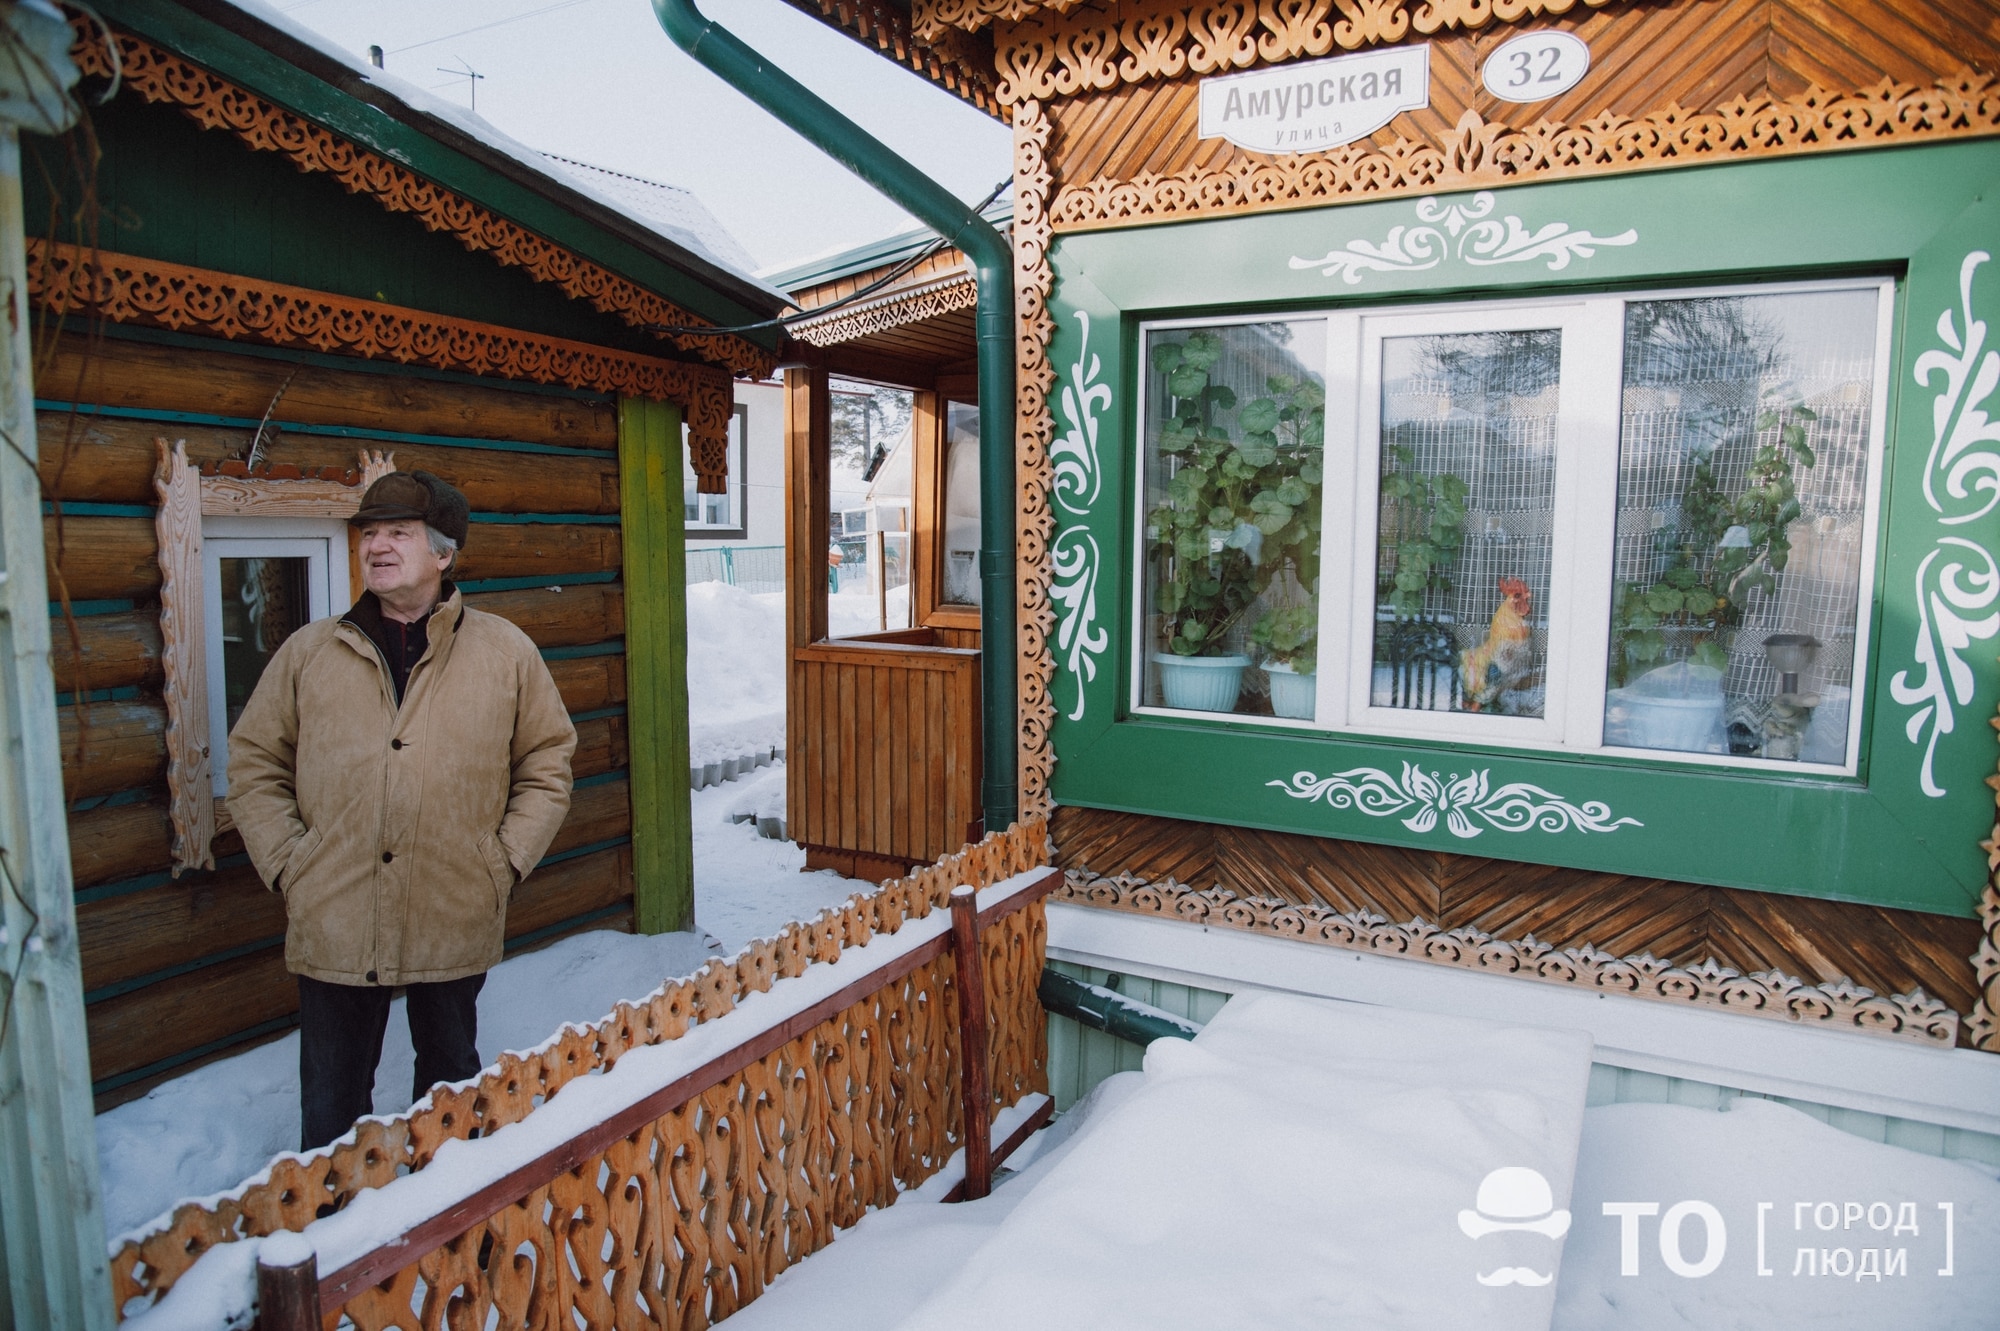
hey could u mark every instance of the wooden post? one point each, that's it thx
(53, 1263)
(977, 1099)
(880, 554)
(288, 1294)
(653, 517)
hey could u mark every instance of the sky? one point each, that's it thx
(598, 81)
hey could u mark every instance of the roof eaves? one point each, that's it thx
(873, 254)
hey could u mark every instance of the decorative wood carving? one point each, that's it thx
(1772, 994)
(214, 103)
(1033, 429)
(1480, 154)
(1062, 49)
(1984, 1025)
(891, 311)
(900, 1027)
(188, 494)
(184, 658)
(950, 59)
(126, 289)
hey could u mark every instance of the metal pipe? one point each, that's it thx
(743, 69)
(1112, 1013)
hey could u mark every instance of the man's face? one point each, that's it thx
(397, 563)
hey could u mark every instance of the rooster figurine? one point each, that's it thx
(1504, 659)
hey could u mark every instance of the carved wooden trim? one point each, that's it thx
(1033, 429)
(891, 311)
(124, 289)
(950, 59)
(188, 494)
(1771, 994)
(184, 658)
(1480, 154)
(1984, 1025)
(1060, 49)
(214, 103)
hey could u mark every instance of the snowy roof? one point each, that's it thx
(669, 208)
(604, 195)
(848, 260)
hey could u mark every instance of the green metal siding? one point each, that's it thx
(1080, 1058)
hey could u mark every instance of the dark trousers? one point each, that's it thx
(340, 1042)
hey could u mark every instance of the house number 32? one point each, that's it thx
(1535, 66)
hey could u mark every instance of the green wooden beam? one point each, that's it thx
(652, 511)
(52, 1253)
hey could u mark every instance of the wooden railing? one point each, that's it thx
(680, 1207)
(883, 751)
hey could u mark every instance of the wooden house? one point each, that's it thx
(1509, 486)
(262, 275)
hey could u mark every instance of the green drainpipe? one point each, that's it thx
(1111, 1012)
(834, 134)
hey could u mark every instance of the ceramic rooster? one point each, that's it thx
(1503, 660)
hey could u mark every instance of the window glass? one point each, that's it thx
(1466, 521)
(264, 601)
(1742, 490)
(960, 565)
(1234, 469)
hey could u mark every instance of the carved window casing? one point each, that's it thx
(275, 512)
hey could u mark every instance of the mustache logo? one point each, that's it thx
(1515, 1275)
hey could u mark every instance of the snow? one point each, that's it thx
(482, 131)
(461, 1169)
(746, 886)
(736, 671)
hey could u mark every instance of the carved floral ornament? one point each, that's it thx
(125, 289)
(1515, 806)
(1771, 994)
(214, 103)
(1479, 153)
(1461, 231)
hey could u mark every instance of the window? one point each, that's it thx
(262, 579)
(719, 515)
(1628, 523)
(959, 521)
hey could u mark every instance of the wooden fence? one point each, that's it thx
(719, 1181)
(883, 751)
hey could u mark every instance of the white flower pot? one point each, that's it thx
(1292, 694)
(1200, 683)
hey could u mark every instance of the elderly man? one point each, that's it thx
(396, 772)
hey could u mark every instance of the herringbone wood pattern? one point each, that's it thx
(1696, 54)
(1889, 951)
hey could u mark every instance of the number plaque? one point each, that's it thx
(1535, 66)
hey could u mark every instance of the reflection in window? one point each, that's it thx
(264, 601)
(1466, 521)
(961, 504)
(1741, 491)
(1235, 423)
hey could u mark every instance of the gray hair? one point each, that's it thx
(442, 545)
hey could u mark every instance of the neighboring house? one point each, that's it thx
(1519, 498)
(303, 269)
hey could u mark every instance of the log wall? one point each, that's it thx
(181, 970)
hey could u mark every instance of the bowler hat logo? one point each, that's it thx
(1514, 1199)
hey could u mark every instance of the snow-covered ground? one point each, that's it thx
(1811, 1187)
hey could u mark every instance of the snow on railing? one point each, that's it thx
(700, 1158)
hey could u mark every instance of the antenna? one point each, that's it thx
(471, 75)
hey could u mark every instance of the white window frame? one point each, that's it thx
(1581, 573)
(321, 542)
(739, 464)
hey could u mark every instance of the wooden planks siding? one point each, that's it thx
(177, 970)
(885, 753)
(1889, 951)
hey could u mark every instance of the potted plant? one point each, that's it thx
(1289, 638)
(1242, 505)
(1723, 548)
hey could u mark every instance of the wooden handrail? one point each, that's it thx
(399, 1252)
(895, 655)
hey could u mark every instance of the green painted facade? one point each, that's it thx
(1917, 215)
(653, 517)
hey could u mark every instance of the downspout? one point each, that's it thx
(736, 64)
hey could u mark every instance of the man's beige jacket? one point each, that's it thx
(396, 834)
